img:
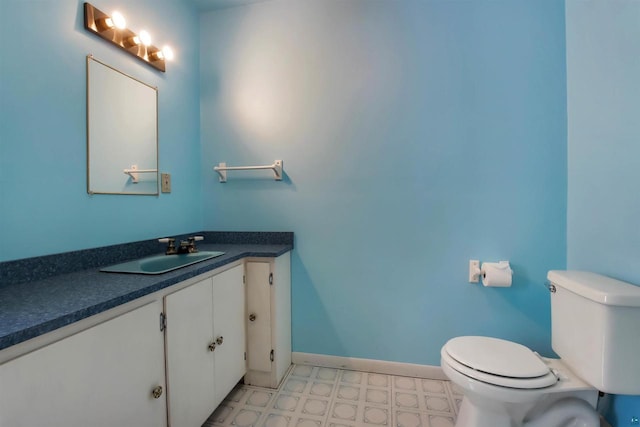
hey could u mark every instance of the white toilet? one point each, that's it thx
(594, 328)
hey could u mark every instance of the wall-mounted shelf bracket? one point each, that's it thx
(222, 169)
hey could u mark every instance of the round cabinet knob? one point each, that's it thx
(252, 317)
(219, 340)
(157, 392)
(212, 346)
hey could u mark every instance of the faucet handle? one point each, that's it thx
(191, 244)
(171, 248)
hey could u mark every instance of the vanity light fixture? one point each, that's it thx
(114, 29)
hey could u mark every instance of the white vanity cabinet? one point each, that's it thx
(205, 345)
(166, 359)
(268, 320)
(111, 374)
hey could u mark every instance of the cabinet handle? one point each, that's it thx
(157, 392)
(252, 317)
(212, 346)
(219, 340)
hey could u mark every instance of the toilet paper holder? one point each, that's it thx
(476, 271)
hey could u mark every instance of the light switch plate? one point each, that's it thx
(165, 178)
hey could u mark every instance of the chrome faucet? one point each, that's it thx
(186, 246)
(189, 246)
(171, 247)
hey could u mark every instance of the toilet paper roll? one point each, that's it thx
(496, 274)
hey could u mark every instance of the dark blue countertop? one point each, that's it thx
(33, 308)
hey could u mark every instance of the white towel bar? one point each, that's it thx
(133, 173)
(222, 169)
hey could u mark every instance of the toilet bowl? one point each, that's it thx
(594, 331)
(507, 385)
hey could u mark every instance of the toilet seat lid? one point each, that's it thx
(497, 357)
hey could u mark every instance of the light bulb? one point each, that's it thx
(157, 55)
(131, 41)
(145, 38)
(168, 53)
(104, 24)
(118, 20)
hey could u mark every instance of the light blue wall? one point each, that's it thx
(603, 104)
(415, 135)
(44, 207)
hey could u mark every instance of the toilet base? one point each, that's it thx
(567, 411)
(486, 405)
(470, 416)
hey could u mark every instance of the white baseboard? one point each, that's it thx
(369, 365)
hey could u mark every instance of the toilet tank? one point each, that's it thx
(595, 329)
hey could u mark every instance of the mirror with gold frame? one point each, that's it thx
(122, 132)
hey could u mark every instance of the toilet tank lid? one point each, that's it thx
(598, 288)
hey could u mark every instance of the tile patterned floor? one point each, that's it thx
(312, 396)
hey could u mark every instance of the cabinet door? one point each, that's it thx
(269, 320)
(190, 361)
(259, 309)
(281, 319)
(229, 329)
(103, 376)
